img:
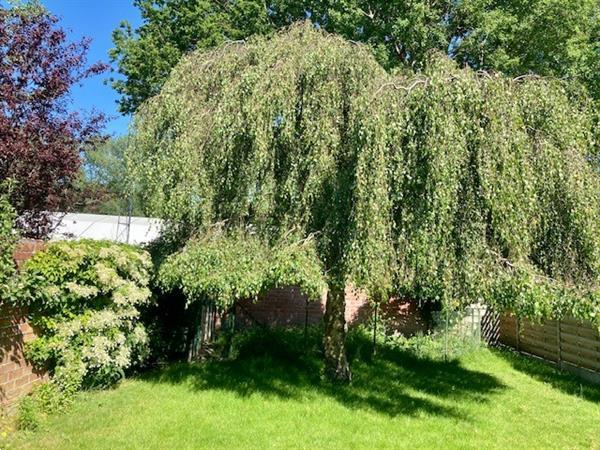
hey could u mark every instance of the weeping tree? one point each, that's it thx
(451, 186)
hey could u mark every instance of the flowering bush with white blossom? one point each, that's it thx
(85, 299)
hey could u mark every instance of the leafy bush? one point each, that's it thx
(85, 298)
(441, 344)
(44, 400)
(530, 294)
(226, 267)
(8, 238)
(437, 346)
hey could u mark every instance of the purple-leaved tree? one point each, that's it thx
(40, 139)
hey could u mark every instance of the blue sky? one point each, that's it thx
(96, 19)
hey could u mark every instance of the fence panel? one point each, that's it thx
(570, 343)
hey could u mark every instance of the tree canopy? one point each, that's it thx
(547, 37)
(445, 186)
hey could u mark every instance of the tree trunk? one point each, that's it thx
(334, 340)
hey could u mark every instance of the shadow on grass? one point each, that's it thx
(393, 383)
(549, 373)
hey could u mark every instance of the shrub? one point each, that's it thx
(529, 294)
(85, 298)
(44, 400)
(8, 238)
(438, 345)
(223, 268)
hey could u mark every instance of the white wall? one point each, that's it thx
(114, 228)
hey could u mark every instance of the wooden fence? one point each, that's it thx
(569, 343)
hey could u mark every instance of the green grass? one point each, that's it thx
(277, 399)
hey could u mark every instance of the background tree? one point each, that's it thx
(171, 28)
(40, 139)
(546, 37)
(450, 187)
(101, 187)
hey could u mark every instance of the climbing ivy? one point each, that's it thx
(419, 185)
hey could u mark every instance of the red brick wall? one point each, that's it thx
(17, 376)
(280, 307)
(288, 307)
(26, 249)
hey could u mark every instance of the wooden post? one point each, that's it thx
(306, 323)
(473, 334)
(375, 328)
(446, 336)
(518, 332)
(558, 343)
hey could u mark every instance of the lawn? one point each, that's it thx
(277, 399)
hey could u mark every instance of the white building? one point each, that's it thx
(134, 230)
